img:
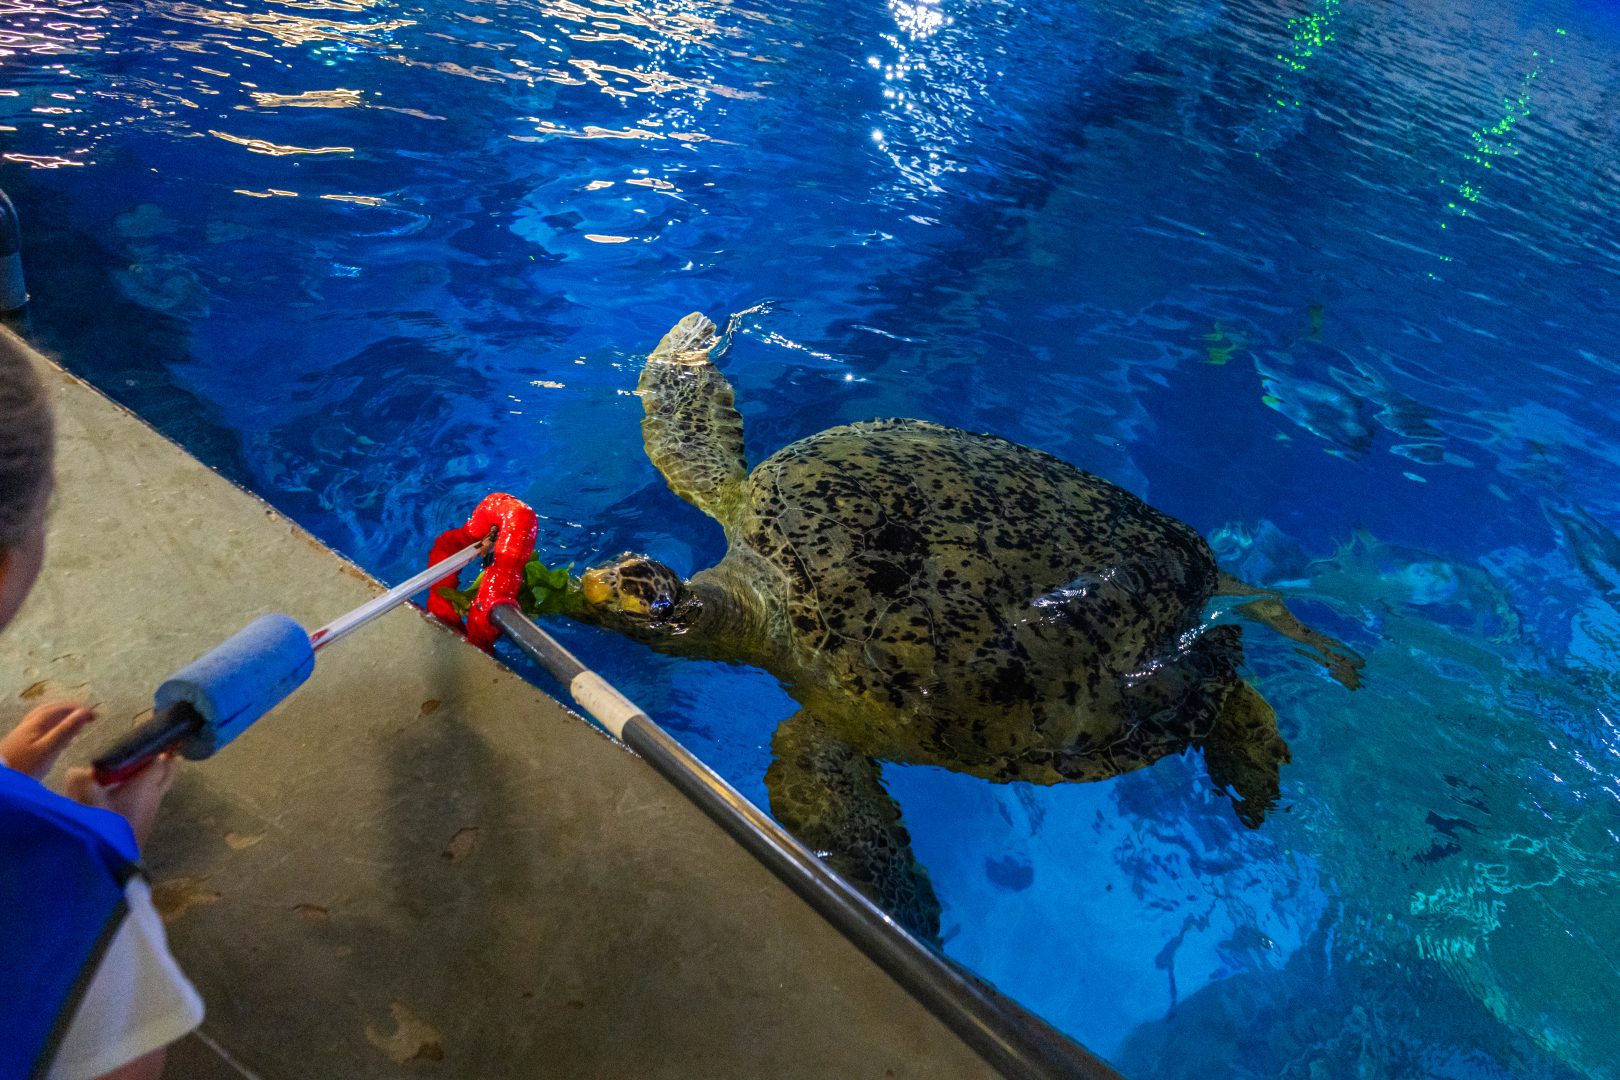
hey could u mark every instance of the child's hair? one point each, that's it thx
(25, 438)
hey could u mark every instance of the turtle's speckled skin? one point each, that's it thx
(937, 597)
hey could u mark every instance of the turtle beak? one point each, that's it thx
(596, 587)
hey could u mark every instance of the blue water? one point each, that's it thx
(1334, 282)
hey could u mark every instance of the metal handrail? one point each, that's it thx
(1010, 1038)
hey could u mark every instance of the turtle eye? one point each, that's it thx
(660, 607)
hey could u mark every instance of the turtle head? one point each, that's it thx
(634, 594)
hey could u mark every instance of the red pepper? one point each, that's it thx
(515, 526)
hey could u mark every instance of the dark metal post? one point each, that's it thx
(13, 293)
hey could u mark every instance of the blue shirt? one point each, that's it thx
(63, 868)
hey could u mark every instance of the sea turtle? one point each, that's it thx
(936, 597)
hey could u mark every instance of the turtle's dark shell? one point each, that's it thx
(978, 598)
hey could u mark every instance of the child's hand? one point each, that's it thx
(137, 798)
(33, 746)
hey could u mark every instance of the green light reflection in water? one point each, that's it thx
(1308, 35)
(1491, 143)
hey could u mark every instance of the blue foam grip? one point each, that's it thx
(240, 681)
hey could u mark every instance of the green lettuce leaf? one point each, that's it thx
(545, 591)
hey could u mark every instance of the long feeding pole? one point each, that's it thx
(247, 676)
(1011, 1039)
(344, 625)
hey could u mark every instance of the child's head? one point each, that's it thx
(26, 435)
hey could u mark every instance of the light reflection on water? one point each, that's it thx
(1331, 280)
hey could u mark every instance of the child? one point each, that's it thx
(88, 987)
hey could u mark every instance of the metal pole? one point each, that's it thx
(1014, 1041)
(170, 728)
(344, 625)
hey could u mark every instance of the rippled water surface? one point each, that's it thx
(1334, 282)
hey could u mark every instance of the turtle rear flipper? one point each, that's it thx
(830, 796)
(1246, 752)
(1267, 608)
(692, 430)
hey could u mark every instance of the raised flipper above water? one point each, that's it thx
(830, 795)
(692, 431)
(1246, 752)
(1267, 608)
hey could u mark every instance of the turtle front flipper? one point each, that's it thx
(1267, 608)
(692, 430)
(830, 795)
(1246, 752)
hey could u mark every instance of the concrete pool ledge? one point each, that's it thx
(420, 865)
